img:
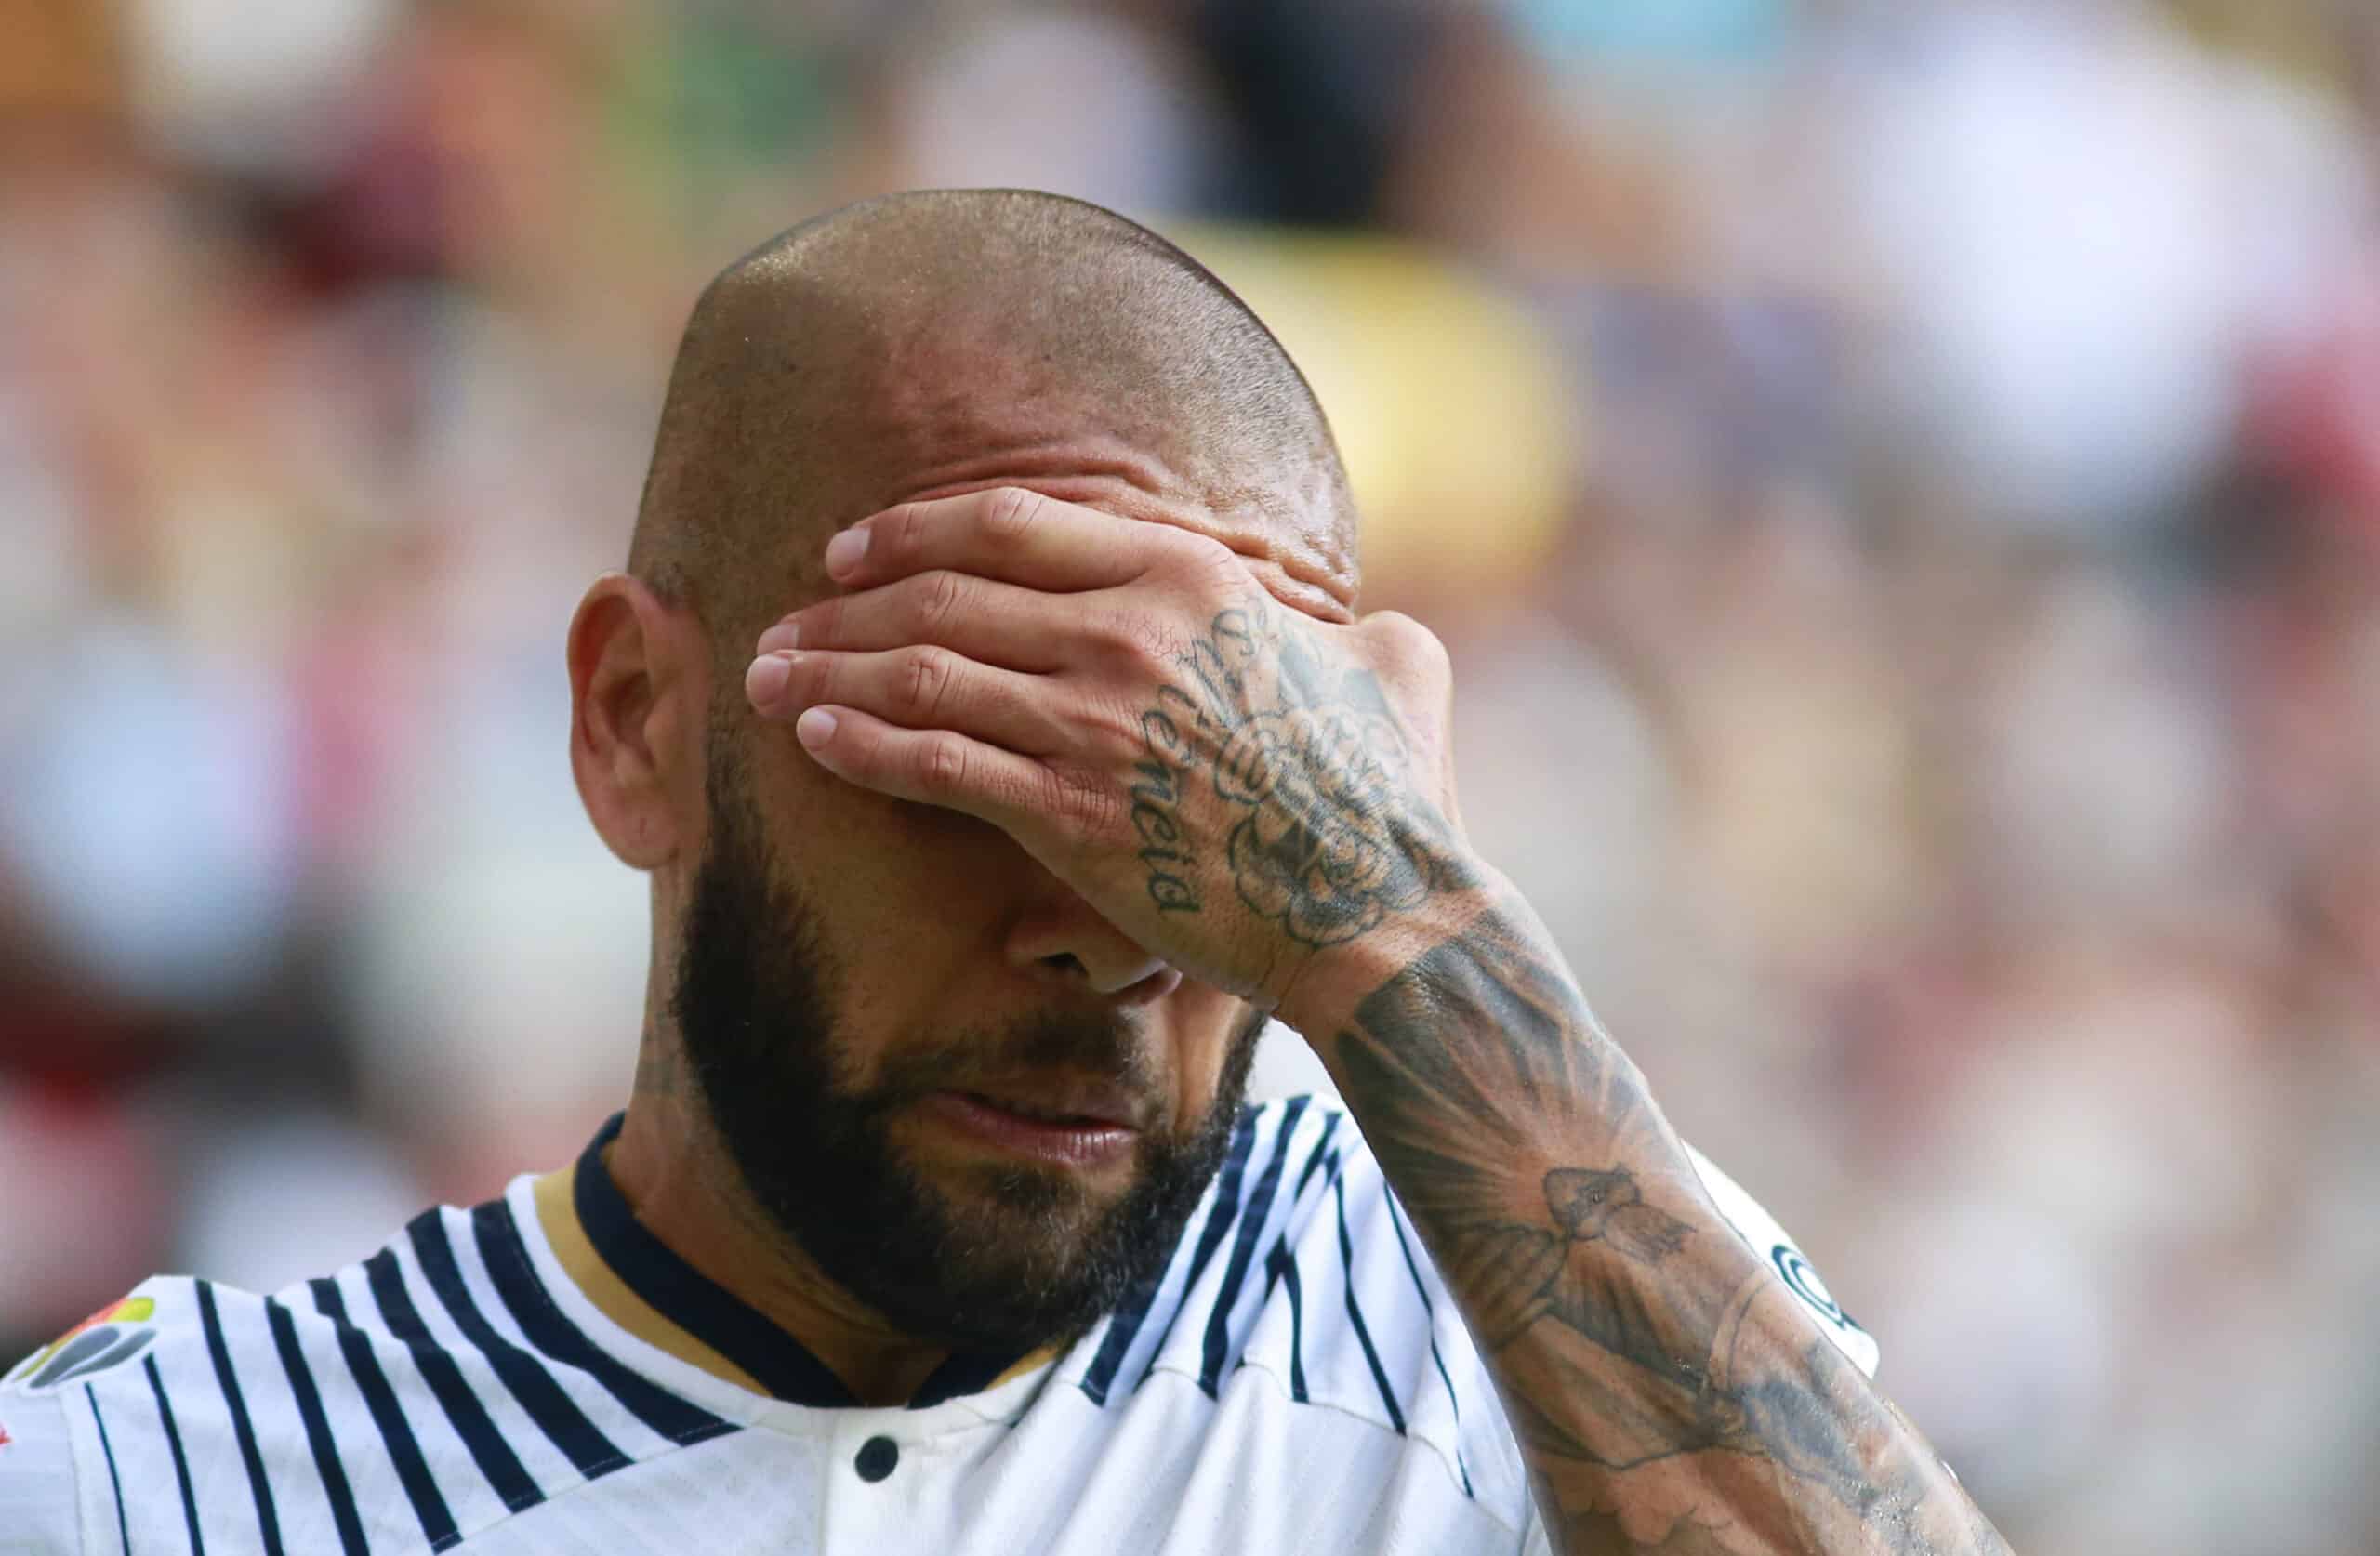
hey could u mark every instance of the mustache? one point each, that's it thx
(1107, 1047)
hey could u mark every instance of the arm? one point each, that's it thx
(1265, 801)
(1669, 1392)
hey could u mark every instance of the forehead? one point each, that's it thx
(1289, 566)
(940, 429)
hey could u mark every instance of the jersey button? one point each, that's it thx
(877, 1458)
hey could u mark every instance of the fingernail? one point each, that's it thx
(845, 551)
(776, 640)
(814, 728)
(764, 682)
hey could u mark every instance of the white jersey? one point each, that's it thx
(540, 1374)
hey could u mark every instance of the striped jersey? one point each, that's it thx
(541, 1374)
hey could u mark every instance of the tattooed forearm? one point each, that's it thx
(1667, 1392)
(1664, 1384)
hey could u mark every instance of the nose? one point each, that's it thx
(1062, 937)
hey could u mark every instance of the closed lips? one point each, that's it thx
(1089, 1116)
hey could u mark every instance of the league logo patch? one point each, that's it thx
(114, 1334)
(1808, 1287)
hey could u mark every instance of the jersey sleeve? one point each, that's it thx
(1760, 1232)
(40, 1513)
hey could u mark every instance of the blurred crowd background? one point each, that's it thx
(1900, 481)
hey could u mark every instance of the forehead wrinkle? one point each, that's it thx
(941, 422)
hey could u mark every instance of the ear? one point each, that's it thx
(637, 696)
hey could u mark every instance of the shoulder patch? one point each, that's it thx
(1761, 1233)
(1807, 1286)
(112, 1336)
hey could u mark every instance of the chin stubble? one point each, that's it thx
(1023, 1256)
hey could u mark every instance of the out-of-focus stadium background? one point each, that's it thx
(1901, 483)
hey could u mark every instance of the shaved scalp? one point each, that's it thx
(874, 351)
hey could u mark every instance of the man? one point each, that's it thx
(935, 1221)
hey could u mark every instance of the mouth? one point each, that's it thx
(1091, 1106)
(1062, 1126)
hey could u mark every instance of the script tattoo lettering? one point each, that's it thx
(1157, 800)
(1621, 1340)
(1322, 835)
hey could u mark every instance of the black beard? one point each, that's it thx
(1035, 1258)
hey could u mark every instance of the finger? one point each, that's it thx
(1008, 532)
(1027, 799)
(993, 623)
(1417, 659)
(923, 687)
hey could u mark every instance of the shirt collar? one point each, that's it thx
(647, 1290)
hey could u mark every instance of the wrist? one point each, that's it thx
(1321, 996)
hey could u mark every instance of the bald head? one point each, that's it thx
(948, 338)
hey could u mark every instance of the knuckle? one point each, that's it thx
(901, 532)
(1010, 513)
(942, 765)
(1121, 726)
(941, 594)
(926, 679)
(814, 679)
(1207, 560)
(1086, 802)
(1411, 642)
(1135, 638)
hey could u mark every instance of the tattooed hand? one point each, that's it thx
(1235, 783)
(1248, 791)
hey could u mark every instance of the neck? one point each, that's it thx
(674, 1173)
